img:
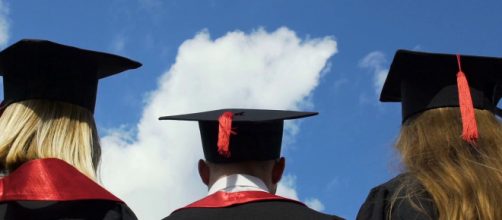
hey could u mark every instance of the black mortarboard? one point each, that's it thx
(423, 81)
(255, 134)
(41, 69)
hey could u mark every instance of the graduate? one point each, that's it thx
(49, 145)
(243, 167)
(450, 141)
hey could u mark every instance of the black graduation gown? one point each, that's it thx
(376, 206)
(251, 209)
(83, 209)
(52, 189)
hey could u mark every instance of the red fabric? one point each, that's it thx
(222, 199)
(224, 132)
(50, 180)
(469, 126)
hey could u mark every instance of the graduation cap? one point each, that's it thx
(235, 135)
(422, 81)
(41, 69)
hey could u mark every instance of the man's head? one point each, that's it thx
(242, 141)
(269, 171)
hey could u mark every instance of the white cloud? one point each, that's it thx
(333, 184)
(417, 47)
(315, 204)
(340, 82)
(375, 62)
(4, 24)
(118, 44)
(287, 188)
(155, 171)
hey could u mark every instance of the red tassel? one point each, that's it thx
(224, 132)
(470, 128)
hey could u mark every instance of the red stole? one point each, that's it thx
(50, 180)
(222, 199)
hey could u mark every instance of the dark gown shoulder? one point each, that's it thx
(377, 205)
(263, 210)
(75, 210)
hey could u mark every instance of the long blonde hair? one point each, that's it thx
(464, 181)
(35, 129)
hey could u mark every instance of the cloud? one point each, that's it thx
(287, 188)
(340, 82)
(375, 62)
(118, 44)
(152, 166)
(4, 23)
(417, 47)
(315, 204)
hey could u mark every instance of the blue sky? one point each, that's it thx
(337, 156)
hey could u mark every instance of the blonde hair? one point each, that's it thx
(464, 181)
(35, 129)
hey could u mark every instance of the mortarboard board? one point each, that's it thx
(41, 69)
(422, 81)
(235, 135)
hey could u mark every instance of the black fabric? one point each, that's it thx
(41, 69)
(258, 133)
(74, 210)
(252, 141)
(423, 81)
(378, 202)
(263, 210)
(242, 115)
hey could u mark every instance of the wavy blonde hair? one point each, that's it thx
(464, 181)
(35, 129)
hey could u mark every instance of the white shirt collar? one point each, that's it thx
(238, 183)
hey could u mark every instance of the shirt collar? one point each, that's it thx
(238, 182)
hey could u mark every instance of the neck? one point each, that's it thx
(262, 170)
(237, 183)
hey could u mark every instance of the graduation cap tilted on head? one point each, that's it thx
(236, 135)
(423, 81)
(41, 69)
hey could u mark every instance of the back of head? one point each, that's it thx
(254, 168)
(242, 141)
(35, 129)
(464, 180)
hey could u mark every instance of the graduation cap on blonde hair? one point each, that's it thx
(41, 69)
(422, 81)
(235, 135)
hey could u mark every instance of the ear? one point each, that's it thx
(204, 172)
(278, 170)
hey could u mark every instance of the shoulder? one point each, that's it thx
(384, 192)
(394, 183)
(265, 210)
(379, 201)
(79, 209)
